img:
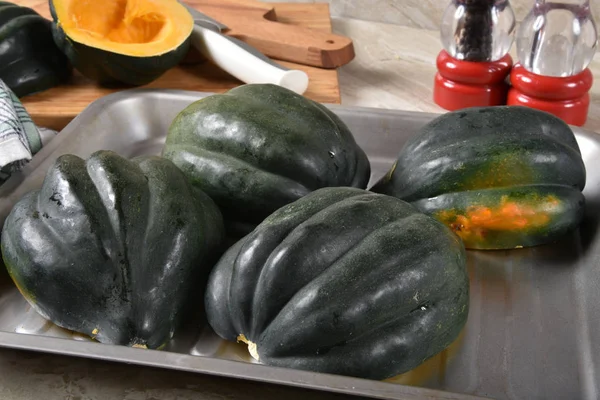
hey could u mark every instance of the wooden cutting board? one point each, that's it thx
(56, 107)
(256, 23)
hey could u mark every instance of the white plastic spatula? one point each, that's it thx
(240, 59)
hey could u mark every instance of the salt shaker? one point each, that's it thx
(555, 44)
(474, 64)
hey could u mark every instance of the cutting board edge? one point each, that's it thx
(324, 88)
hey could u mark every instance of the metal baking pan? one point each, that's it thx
(533, 330)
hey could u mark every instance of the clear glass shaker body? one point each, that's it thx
(478, 30)
(557, 38)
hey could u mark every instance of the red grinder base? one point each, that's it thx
(461, 84)
(568, 98)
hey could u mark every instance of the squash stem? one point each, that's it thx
(251, 346)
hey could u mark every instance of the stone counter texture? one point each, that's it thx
(426, 14)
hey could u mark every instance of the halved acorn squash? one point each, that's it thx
(122, 41)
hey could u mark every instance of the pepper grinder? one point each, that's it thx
(555, 44)
(474, 64)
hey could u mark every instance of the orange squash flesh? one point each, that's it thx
(140, 28)
(509, 215)
(506, 218)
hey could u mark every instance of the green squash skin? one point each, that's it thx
(112, 248)
(30, 62)
(259, 147)
(343, 281)
(454, 160)
(112, 69)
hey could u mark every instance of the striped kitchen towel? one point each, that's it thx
(20, 138)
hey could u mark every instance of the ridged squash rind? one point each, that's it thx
(112, 248)
(30, 61)
(259, 147)
(342, 281)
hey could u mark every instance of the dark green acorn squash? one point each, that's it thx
(259, 147)
(30, 62)
(501, 177)
(342, 281)
(114, 42)
(112, 248)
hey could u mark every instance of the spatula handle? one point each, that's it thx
(292, 43)
(244, 65)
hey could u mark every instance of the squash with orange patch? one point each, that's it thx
(130, 42)
(500, 177)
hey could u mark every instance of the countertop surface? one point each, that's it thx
(395, 66)
(393, 69)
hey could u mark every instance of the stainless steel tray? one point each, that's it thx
(534, 323)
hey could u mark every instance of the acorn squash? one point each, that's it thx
(342, 281)
(259, 147)
(501, 177)
(122, 41)
(112, 248)
(30, 62)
